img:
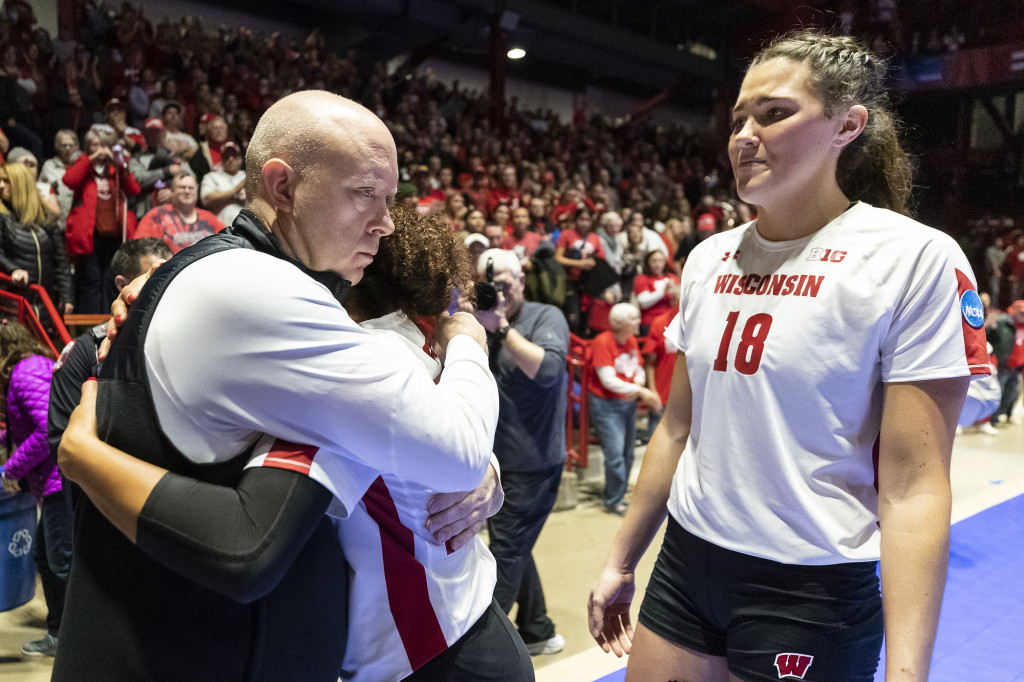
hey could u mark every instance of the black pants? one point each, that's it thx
(94, 280)
(52, 555)
(529, 498)
(490, 651)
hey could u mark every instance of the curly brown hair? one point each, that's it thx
(416, 269)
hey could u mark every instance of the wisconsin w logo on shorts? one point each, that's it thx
(793, 665)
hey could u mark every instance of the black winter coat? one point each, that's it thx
(41, 252)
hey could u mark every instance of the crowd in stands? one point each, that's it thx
(153, 104)
(929, 27)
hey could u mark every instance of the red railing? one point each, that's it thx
(577, 433)
(27, 316)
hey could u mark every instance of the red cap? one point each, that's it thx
(206, 118)
(706, 222)
(230, 147)
(113, 103)
(154, 124)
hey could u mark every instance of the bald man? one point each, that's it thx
(237, 336)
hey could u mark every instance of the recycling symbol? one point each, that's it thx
(21, 543)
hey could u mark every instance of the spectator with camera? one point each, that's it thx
(528, 343)
(99, 220)
(128, 137)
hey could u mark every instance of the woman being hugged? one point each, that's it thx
(830, 334)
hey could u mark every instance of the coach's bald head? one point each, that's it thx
(321, 172)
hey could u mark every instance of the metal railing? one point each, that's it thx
(15, 302)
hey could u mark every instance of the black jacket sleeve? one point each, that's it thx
(76, 366)
(237, 541)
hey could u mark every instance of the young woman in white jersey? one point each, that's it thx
(824, 353)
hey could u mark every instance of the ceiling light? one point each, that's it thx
(516, 53)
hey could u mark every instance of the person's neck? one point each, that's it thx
(621, 336)
(187, 213)
(796, 219)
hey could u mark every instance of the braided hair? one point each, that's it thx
(874, 167)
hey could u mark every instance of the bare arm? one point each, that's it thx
(215, 201)
(610, 598)
(914, 502)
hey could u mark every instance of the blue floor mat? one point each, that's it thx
(981, 630)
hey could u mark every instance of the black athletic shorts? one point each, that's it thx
(769, 620)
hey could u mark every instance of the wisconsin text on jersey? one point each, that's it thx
(769, 285)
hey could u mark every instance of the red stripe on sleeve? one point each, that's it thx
(974, 339)
(406, 580)
(291, 456)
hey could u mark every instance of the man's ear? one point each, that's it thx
(120, 282)
(279, 185)
(853, 125)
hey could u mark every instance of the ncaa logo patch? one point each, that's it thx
(972, 308)
(793, 666)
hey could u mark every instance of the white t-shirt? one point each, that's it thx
(787, 346)
(219, 181)
(244, 343)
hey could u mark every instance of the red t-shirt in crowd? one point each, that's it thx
(644, 283)
(163, 222)
(571, 208)
(1015, 261)
(605, 351)
(664, 352)
(502, 195)
(524, 247)
(578, 248)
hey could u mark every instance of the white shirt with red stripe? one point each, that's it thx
(787, 346)
(244, 344)
(409, 598)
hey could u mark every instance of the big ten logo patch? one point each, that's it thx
(826, 255)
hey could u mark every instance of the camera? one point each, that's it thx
(487, 292)
(118, 155)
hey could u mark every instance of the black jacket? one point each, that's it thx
(41, 252)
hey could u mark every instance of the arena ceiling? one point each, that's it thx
(687, 48)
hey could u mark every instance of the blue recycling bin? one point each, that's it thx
(17, 531)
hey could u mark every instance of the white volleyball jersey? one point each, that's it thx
(409, 599)
(787, 346)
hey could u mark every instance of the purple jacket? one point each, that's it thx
(27, 401)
